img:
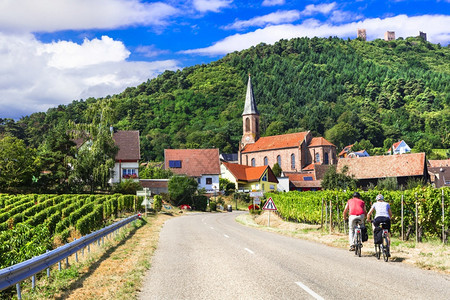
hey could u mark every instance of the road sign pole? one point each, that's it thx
(269, 218)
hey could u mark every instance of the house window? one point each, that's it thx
(199, 180)
(266, 161)
(325, 158)
(279, 160)
(247, 124)
(208, 180)
(292, 161)
(253, 162)
(272, 187)
(174, 163)
(129, 173)
(264, 178)
(317, 157)
(246, 160)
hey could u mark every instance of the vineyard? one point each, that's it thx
(307, 207)
(29, 224)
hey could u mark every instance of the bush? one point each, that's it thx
(127, 187)
(200, 202)
(212, 206)
(157, 203)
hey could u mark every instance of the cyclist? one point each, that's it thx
(356, 210)
(383, 214)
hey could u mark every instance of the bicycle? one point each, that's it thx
(384, 246)
(357, 238)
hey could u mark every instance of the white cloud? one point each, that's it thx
(35, 76)
(150, 51)
(339, 16)
(273, 2)
(278, 17)
(320, 8)
(51, 16)
(437, 28)
(211, 5)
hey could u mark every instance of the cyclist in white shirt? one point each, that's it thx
(383, 214)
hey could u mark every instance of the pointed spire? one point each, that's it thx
(250, 104)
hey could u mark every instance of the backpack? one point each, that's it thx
(364, 234)
(377, 235)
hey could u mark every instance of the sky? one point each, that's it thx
(55, 51)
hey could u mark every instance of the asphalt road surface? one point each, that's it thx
(211, 256)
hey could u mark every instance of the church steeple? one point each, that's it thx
(250, 104)
(250, 117)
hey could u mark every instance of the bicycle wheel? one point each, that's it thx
(358, 245)
(385, 249)
(377, 251)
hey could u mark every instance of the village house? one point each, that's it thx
(368, 170)
(439, 171)
(200, 164)
(247, 178)
(293, 152)
(128, 156)
(399, 148)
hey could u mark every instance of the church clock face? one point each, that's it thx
(247, 138)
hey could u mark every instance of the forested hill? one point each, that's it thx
(345, 90)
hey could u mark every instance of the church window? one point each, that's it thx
(279, 160)
(317, 158)
(325, 158)
(253, 162)
(247, 124)
(292, 161)
(266, 161)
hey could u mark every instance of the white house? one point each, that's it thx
(201, 164)
(399, 148)
(127, 158)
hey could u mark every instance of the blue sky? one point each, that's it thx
(56, 51)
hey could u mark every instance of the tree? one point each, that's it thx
(333, 180)
(423, 146)
(17, 164)
(276, 169)
(342, 134)
(182, 189)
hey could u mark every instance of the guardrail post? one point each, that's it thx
(89, 248)
(33, 282)
(98, 242)
(48, 269)
(103, 240)
(59, 266)
(67, 262)
(19, 294)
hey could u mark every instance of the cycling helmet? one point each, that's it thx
(356, 195)
(379, 197)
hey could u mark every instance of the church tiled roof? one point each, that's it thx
(319, 141)
(289, 140)
(250, 104)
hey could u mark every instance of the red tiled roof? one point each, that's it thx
(194, 162)
(289, 140)
(434, 163)
(309, 167)
(384, 166)
(345, 150)
(308, 184)
(128, 143)
(319, 141)
(248, 173)
(299, 176)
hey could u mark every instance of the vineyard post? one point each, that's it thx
(345, 229)
(331, 217)
(443, 218)
(337, 209)
(417, 220)
(326, 214)
(403, 232)
(321, 219)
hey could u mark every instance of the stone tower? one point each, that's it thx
(250, 118)
(362, 34)
(389, 36)
(423, 35)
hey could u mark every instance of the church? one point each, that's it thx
(294, 152)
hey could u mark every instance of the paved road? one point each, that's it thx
(210, 256)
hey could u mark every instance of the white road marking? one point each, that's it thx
(211, 227)
(226, 236)
(309, 291)
(249, 251)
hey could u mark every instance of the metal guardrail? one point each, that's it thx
(21, 271)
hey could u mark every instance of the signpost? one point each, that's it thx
(147, 203)
(269, 206)
(256, 195)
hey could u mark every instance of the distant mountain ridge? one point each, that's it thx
(344, 90)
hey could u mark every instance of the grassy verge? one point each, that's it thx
(430, 255)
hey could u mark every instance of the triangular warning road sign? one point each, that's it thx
(269, 205)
